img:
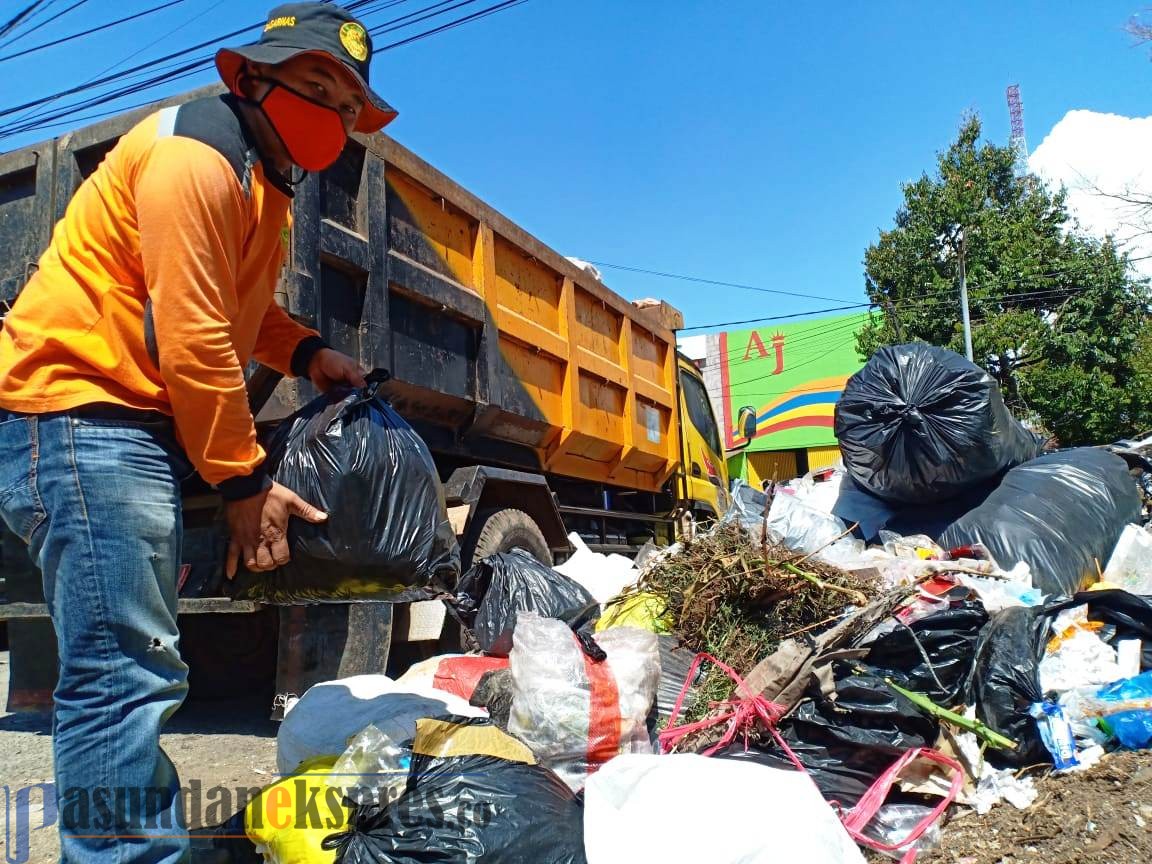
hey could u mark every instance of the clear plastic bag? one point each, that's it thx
(805, 529)
(894, 821)
(574, 713)
(1130, 566)
(373, 770)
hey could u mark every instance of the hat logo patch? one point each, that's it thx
(282, 21)
(355, 41)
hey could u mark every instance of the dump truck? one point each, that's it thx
(551, 404)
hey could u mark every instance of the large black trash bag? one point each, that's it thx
(1005, 681)
(1005, 678)
(919, 424)
(846, 743)
(855, 505)
(1061, 513)
(387, 536)
(474, 794)
(497, 588)
(948, 638)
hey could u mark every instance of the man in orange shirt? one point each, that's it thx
(121, 371)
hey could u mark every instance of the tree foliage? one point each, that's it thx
(1058, 317)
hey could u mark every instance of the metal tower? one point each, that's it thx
(1018, 141)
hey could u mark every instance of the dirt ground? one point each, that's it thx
(1103, 816)
(219, 744)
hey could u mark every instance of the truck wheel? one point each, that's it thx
(494, 531)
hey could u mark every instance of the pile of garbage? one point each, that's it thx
(871, 649)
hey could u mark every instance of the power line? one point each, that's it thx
(467, 19)
(44, 23)
(721, 325)
(90, 30)
(21, 16)
(718, 282)
(184, 70)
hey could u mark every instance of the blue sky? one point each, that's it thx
(753, 142)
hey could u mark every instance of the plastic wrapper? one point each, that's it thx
(473, 794)
(1061, 513)
(1056, 734)
(1077, 656)
(497, 590)
(688, 808)
(1122, 710)
(749, 506)
(920, 424)
(327, 716)
(1130, 566)
(387, 536)
(576, 713)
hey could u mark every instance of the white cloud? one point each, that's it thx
(693, 347)
(1092, 153)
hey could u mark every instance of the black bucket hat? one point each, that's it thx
(313, 28)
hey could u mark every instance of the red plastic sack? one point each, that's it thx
(461, 675)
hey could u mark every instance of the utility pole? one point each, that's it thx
(964, 299)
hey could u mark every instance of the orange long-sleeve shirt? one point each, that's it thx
(158, 288)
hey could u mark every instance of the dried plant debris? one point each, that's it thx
(737, 598)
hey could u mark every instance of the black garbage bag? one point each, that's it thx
(1005, 678)
(474, 794)
(933, 655)
(387, 536)
(1062, 513)
(855, 505)
(496, 589)
(846, 743)
(1005, 681)
(231, 836)
(919, 424)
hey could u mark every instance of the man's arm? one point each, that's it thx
(190, 213)
(285, 345)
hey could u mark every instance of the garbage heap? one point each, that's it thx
(842, 663)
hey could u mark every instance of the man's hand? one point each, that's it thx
(259, 528)
(329, 368)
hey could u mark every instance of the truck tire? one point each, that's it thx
(504, 530)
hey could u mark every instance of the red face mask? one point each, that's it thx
(312, 133)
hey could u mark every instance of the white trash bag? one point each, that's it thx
(331, 713)
(686, 807)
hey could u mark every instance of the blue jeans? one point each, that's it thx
(97, 498)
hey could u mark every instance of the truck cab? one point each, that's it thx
(705, 469)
